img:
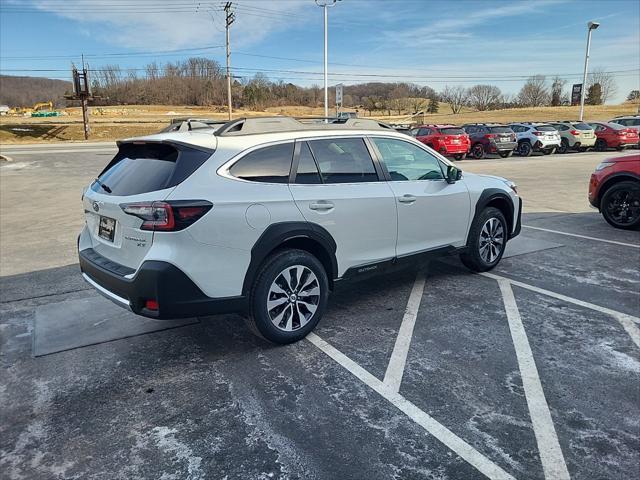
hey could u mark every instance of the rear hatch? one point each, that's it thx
(454, 136)
(584, 130)
(502, 134)
(141, 172)
(549, 133)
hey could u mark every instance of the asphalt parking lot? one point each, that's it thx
(529, 372)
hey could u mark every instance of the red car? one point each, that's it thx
(614, 189)
(444, 139)
(614, 135)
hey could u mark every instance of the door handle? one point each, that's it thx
(407, 199)
(321, 205)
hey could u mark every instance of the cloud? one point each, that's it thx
(444, 29)
(140, 25)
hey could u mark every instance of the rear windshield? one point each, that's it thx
(500, 130)
(452, 131)
(582, 126)
(545, 128)
(147, 167)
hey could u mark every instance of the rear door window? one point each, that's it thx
(582, 126)
(424, 132)
(268, 165)
(307, 169)
(343, 160)
(147, 167)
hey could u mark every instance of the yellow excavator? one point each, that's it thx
(43, 106)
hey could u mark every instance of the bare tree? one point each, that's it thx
(607, 81)
(484, 97)
(399, 97)
(534, 92)
(557, 86)
(456, 97)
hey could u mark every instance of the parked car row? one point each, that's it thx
(524, 138)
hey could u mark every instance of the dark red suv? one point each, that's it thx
(444, 139)
(614, 189)
(491, 138)
(613, 135)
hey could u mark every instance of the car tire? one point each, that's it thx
(484, 250)
(278, 311)
(460, 156)
(477, 151)
(564, 146)
(525, 149)
(506, 154)
(547, 151)
(620, 205)
(601, 145)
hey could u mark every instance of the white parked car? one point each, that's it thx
(536, 137)
(264, 215)
(632, 121)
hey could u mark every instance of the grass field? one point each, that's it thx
(126, 121)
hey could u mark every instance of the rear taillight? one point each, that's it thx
(574, 132)
(538, 134)
(167, 216)
(490, 135)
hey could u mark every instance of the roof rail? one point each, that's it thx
(257, 125)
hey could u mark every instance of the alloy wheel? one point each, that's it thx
(293, 298)
(491, 241)
(623, 207)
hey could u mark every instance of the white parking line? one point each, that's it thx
(628, 322)
(583, 236)
(395, 369)
(553, 463)
(439, 431)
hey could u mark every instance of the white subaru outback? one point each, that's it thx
(262, 216)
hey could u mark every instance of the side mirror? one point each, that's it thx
(453, 174)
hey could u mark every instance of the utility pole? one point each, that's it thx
(82, 92)
(229, 20)
(325, 4)
(590, 27)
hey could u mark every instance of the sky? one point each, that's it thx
(427, 42)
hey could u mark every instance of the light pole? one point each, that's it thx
(325, 4)
(591, 26)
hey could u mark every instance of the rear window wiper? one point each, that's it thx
(103, 186)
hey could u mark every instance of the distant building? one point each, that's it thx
(4, 109)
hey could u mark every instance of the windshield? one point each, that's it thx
(452, 131)
(147, 167)
(501, 129)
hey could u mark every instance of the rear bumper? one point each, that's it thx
(502, 147)
(176, 294)
(455, 149)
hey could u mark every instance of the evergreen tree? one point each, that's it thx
(594, 95)
(433, 106)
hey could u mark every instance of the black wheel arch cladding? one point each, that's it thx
(302, 235)
(499, 199)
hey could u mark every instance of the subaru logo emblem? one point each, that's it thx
(96, 207)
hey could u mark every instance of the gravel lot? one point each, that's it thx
(530, 372)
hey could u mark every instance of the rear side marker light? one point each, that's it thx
(151, 305)
(168, 216)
